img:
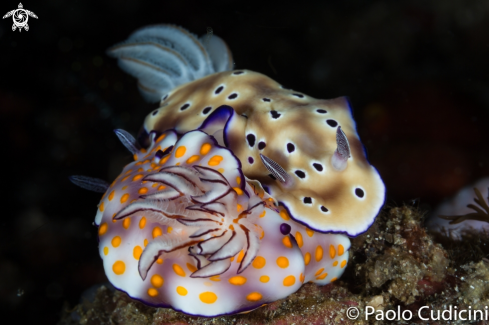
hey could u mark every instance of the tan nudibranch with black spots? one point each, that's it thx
(240, 191)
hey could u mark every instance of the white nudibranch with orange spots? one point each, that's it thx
(240, 191)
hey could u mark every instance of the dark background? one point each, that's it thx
(416, 72)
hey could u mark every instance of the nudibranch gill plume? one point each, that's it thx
(240, 190)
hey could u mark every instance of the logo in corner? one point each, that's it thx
(20, 17)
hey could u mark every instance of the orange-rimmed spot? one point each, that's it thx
(178, 270)
(289, 281)
(319, 253)
(332, 251)
(157, 232)
(143, 190)
(264, 278)
(180, 151)
(116, 241)
(182, 291)
(119, 267)
(259, 262)
(206, 147)
(298, 237)
(307, 258)
(341, 250)
(254, 296)
(102, 229)
(152, 292)
(126, 223)
(192, 159)
(283, 262)
(111, 195)
(157, 280)
(124, 198)
(286, 241)
(101, 207)
(208, 297)
(237, 280)
(136, 252)
(142, 223)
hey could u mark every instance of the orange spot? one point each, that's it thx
(164, 160)
(215, 160)
(143, 190)
(221, 170)
(206, 147)
(238, 190)
(193, 159)
(102, 229)
(238, 180)
(101, 207)
(124, 198)
(140, 169)
(142, 222)
(319, 253)
(111, 195)
(208, 297)
(161, 137)
(237, 280)
(182, 291)
(298, 237)
(232, 258)
(284, 215)
(240, 256)
(286, 242)
(119, 267)
(125, 178)
(322, 276)
(159, 260)
(145, 242)
(262, 234)
(136, 252)
(106, 250)
(162, 187)
(332, 251)
(157, 280)
(302, 278)
(307, 258)
(319, 271)
(215, 278)
(169, 229)
(178, 270)
(263, 214)
(341, 250)
(116, 241)
(334, 279)
(309, 232)
(128, 172)
(283, 262)
(335, 263)
(154, 185)
(157, 232)
(264, 278)
(126, 223)
(239, 207)
(343, 264)
(152, 292)
(135, 157)
(289, 281)
(137, 177)
(254, 296)
(124, 188)
(143, 150)
(180, 151)
(191, 268)
(259, 262)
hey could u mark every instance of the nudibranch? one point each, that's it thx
(304, 151)
(183, 227)
(467, 212)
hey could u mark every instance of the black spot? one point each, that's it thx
(251, 160)
(266, 99)
(271, 176)
(332, 123)
(266, 189)
(251, 139)
(261, 145)
(300, 174)
(324, 209)
(184, 107)
(298, 95)
(155, 112)
(359, 192)
(207, 110)
(290, 147)
(238, 72)
(233, 96)
(307, 200)
(321, 111)
(285, 229)
(159, 154)
(218, 90)
(275, 114)
(164, 98)
(318, 167)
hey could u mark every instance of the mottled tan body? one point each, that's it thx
(299, 123)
